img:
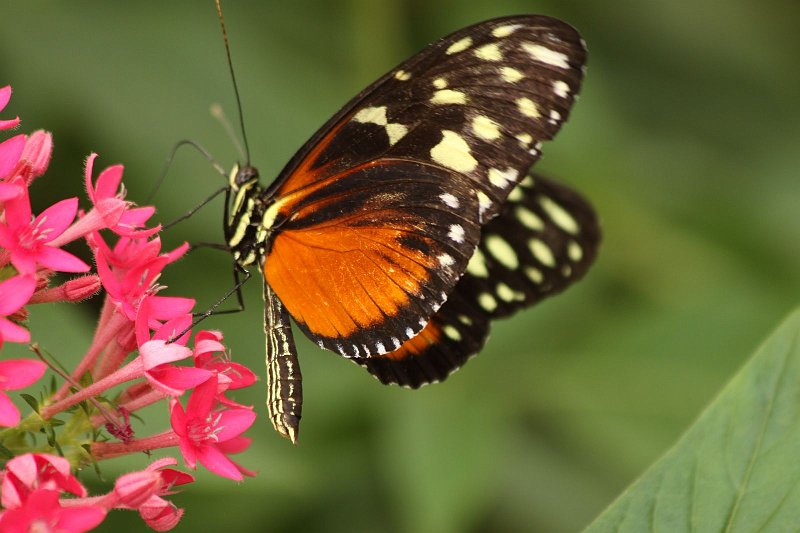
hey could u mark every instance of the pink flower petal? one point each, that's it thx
(56, 218)
(20, 373)
(5, 96)
(87, 175)
(13, 332)
(60, 260)
(108, 182)
(160, 514)
(24, 261)
(175, 380)
(158, 352)
(8, 124)
(202, 399)
(79, 519)
(216, 461)
(10, 150)
(235, 445)
(233, 422)
(177, 418)
(15, 292)
(9, 414)
(9, 191)
(168, 307)
(18, 211)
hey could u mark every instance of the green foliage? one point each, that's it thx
(736, 468)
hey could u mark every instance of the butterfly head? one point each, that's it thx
(243, 177)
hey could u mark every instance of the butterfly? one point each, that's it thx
(409, 220)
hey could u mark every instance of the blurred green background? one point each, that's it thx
(686, 138)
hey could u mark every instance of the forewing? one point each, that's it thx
(374, 220)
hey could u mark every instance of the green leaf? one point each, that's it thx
(32, 401)
(737, 468)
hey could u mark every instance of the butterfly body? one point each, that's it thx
(374, 236)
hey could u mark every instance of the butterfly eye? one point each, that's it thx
(245, 176)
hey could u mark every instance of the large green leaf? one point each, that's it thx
(737, 467)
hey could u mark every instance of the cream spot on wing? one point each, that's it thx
(511, 75)
(464, 319)
(456, 233)
(516, 195)
(527, 181)
(440, 83)
(489, 52)
(477, 265)
(402, 75)
(534, 274)
(487, 302)
(451, 333)
(502, 251)
(528, 218)
(555, 116)
(506, 30)
(528, 108)
(372, 115)
(454, 153)
(502, 179)
(546, 55)
(542, 252)
(395, 132)
(560, 88)
(574, 251)
(448, 96)
(446, 260)
(459, 46)
(524, 138)
(449, 200)
(486, 128)
(559, 215)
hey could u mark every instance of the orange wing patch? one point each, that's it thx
(364, 258)
(337, 279)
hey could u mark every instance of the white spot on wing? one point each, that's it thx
(452, 333)
(484, 202)
(402, 75)
(440, 83)
(534, 274)
(446, 260)
(456, 233)
(454, 153)
(546, 55)
(560, 88)
(409, 333)
(380, 348)
(396, 343)
(449, 200)
(395, 131)
(502, 178)
(528, 218)
(487, 302)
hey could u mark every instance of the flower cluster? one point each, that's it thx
(130, 363)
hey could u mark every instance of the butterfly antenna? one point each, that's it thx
(218, 113)
(233, 79)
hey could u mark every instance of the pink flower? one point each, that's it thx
(14, 293)
(5, 96)
(203, 431)
(107, 200)
(43, 512)
(167, 315)
(170, 379)
(16, 374)
(28, 243)
(27, 473)
(209, 353)
(136, 489)
(160, 514)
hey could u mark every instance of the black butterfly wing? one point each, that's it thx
(544, 239)
(375, 219)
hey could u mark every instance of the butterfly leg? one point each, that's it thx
(284, 380)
